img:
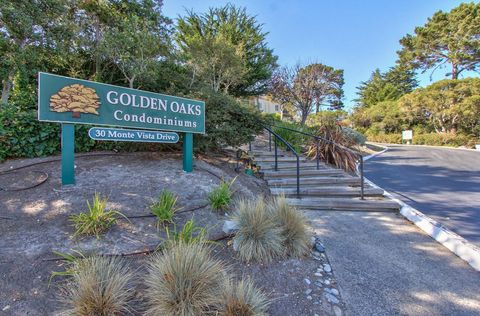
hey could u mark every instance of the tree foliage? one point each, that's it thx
(308, 87)
(222, 42)
(447, 105)
(448, 38)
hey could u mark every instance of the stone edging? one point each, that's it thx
(452, 241)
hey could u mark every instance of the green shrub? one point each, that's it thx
(297, 140)
(227, 122)
(259, 238)
(184, 280)
(96, 220)
(244, 299)
(99, 286)
(293, 226)
(165, 207)
(356, 136)
(444, 139)
(385, 138)
(221, 196)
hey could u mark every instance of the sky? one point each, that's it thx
(357, 36)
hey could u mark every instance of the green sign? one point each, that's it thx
(131, 135)
(69, 100)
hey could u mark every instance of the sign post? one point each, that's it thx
(73, 101)
(68, 153)
(188, 152)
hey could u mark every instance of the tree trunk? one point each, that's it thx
(454, 71)
(304, 118)
(6, 88)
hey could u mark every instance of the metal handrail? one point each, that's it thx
(318, 138)
(289, 146)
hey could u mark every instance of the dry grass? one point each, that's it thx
(258, 237)
(293, 225)
(184, 281)
(244, 299)
(100, 286)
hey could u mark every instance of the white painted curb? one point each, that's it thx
(452, 241)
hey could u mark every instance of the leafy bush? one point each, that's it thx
(100, 286)
(297, 140)
(165, 207)
(294, 229)
(385, 138)
(444, 139)
(221, 196)
(184, 280)
(356, 136)
(96, 220)
(228, 123)
(259, 237)
(244, 299)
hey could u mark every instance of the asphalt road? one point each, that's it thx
(442, 183)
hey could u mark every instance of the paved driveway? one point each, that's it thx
(440, 182)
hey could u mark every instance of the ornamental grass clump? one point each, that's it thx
(184, 280)
(221, 197)
(293, 226)
(96, 220)
(258, 238)
(165, 207)
(244, 299)
(99, 286)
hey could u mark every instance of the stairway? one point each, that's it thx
(325, 188)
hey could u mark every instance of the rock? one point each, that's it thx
(319, 247)
(313, 241)
(229, 227)
(327, 282)
(318, 274)
(337, 311)
(235, 244)
(334, 291)
(308, 291)
(332, 298)
(6, 308)
(327, 268)
(307, 281)
(309, 298)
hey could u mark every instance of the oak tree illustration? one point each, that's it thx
(75, 98)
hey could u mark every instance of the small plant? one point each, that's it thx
(70, 260)
(185, 281)
(244, 299)
(190, 233)
(96, 220)
(258, 237)
(165, 208)
(292, 223)
(221, 196)
(99, 286)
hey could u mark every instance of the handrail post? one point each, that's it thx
(270, 140)
(361, 177)
(250, 146)
(318, 154)
(276, 155)
(298, 177)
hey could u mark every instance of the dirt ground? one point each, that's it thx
(34, 222)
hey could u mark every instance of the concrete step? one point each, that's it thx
(290, 165)
(328, 191)
(263, 153)
(271, 159)
(344, 204)
(315, 181)
(292, 173)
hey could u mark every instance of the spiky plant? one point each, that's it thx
(99, 286)
(190, 233)
(184, 281)
(96, 220)
(292, 223)
(258, 237)
(221, 196)
(244, 299)
(165, 207)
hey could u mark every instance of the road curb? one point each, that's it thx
(452, 241)
(385, 148)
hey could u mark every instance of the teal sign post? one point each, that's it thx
(73, 101)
